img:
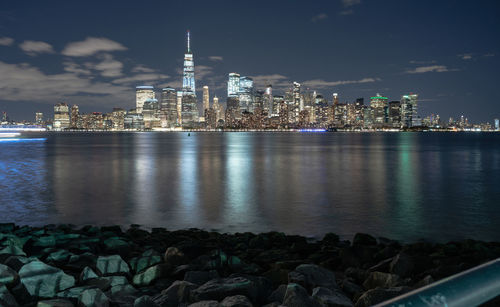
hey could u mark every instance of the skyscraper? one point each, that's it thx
(296, 102)
(497, 124)
(143, 93)
(38, 118)
(206, 98)
(409, 117)
(379, 106)
(75, 114)
(246, 94)
(233, 85)
(168, 107)
(61, 116)
(188, 85)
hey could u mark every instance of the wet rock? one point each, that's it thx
(138, 264)
(8, 276)
(116, 245)
(200, 277)
(351, 288)
(402, 265)
(218, 289)
(12, 250)
(329, 298)
(378, 295)
(16, 262)
(55, 303)
(101, 283)
(236, 301)
(296, 296)
(87, 273)
(145, 301)
(364, 239)
(73, 293)
(82, 260)
(177, 293)
(359, 275)
(382, 266)
(380, 279)
(311, 276)
(150, 275)
(122, 290)
(7, 227)
(210, 303)
(43, 280)
(277, 276)
(6, 298)
(116, 280)
(278, 295)
(59, 256)
(93, 298)
(174, 256)
(114, 264)
(427, 280)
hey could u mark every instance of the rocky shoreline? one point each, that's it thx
(62, 265)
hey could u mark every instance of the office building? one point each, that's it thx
(379, 107)
(409, 115)
(168, 108)
(206, 98)
(61, 116)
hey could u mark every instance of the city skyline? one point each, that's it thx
(100, 70)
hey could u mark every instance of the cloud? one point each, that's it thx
(215, 58)
(75, 68)
(91, 46)
(318, 83)
(6, 41)
(422, 62)
(466, 56)
(142, 68)
(152, 78)
(319, 17)
(33, 48)
(202, 71)
(276, 80)
(108, 67)
(348, 3)
(424, 69)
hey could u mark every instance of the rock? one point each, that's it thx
(330, 239)
(93, 298)
(205, 304)
(140, 263)
(116, 245)
(117, 280)
(55, 303)
(296, 296)
(145, 301)
(122, 290)
(329, 298)
(277, 276)
(351, 288)
(82, 260)
(6, 298)
(177, 293)
(114, 264)
(402, 265)
(174, 256)
(218, 289)
(378, 295)
(7, 227)
(8, 276)
(87, 273)
(359, 275)
(382, 266)
(427, 280)
(101, 283)
(380, 279)
(12, 250)
(59, 256)
(200, 277)
(73, 293)
(16, 262)
(363, 239)
(150, 275)
(311, 276)
(277, 295)
(43, 280)
(236, 301)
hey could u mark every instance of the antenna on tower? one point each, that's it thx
(188, 42)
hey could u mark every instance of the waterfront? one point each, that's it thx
(406, 186)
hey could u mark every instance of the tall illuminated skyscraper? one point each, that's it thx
(409, 115)
(188, 85)
(246, 94)
(379, 106)
(206, 98)
(233, 85)
(143, 93)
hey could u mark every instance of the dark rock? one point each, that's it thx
(7, 227)
(73, 293)
(200, 277)
(101, 283)
(145, 301)
(380, 279)
(278, 295)
(140, 263)
(363, 239)
(79, 262)
(296, 296)
(277, 276)
(331, 298)
(114, 264)
(43, 280)
(378, 295)
(330, 239)
(150, 275)
(122, 290)
(311, 276)
(93, 298)
(16, 262)
(427, 280)
(177, 293)
(115, 229)
(55, 303)
(382, 266)
(174, 256)
(117, 280)
(6, 298)
(402, 265)
(59, 256)
(116, 245)
(351, 288)
(210, 303)
(359, 275)
(236, 301)
(218, 289)
(273, 304)
(87, 273)
(8, 276)
(12, 250)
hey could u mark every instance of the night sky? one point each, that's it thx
(94, 53)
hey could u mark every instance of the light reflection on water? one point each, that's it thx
(399, 185)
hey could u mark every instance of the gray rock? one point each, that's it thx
(236, 301)
(6, 298)
(8, 276)
(87, 273)
(177, 293)
(174, 256)
(402, 265)
(311, 276)
(150, 275)
(140, 263)
(200, 277)
(380, 279)
(43, 280)
(55, 303)
(378, 295)
(278, 295)
(93, 298)
(109, 265)
(427, 280)
(296, 296)
(210, 303)
(218, 289)
(145, 301)
(329, 298)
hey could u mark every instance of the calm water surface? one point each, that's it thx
(406, 186)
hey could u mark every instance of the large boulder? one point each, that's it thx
(177, 293)
(311, 276)
(402, 265)
(145, 301)
(150, 275)
(331, 298)
(8, 276)
(236, 301)
(218, 289)
(109, 265)
(140, 263)
(87, 273)
(6, 298)
(378, 295)
(296, 296)
(43, 280)
(55, 303)
(174, 256)
(93, 298)
(380, 279)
